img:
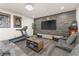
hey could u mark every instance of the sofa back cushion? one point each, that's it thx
(71, 38)
(77, 40)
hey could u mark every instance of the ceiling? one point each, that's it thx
(40, 9)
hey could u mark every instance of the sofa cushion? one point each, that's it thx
(64, 46)
(57, 50)
(71, 38)
(75, 51)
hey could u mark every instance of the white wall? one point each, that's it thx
(77, 17)
(8, 33)
(28, 22)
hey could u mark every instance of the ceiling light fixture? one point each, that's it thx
(62, 7)
(29, 7)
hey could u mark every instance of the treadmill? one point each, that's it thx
(22, 37)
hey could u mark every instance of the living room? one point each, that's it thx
(52, 30)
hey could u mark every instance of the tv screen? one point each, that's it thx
(48, 25)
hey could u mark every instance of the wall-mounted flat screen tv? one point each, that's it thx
(48, 25)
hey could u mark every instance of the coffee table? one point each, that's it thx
(35, 44)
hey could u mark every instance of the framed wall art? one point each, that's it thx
(17, 21)
(4, 20)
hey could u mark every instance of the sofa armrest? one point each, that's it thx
(61, 41)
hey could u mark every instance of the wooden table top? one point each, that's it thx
(35, 39)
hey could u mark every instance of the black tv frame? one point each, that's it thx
(48, 25)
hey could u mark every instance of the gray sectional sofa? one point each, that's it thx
(62, 50)
(10, 49)
(67, 44)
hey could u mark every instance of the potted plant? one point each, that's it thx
(34, 27)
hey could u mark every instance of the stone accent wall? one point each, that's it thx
(63, 21)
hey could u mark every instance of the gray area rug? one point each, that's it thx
(48, 50)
